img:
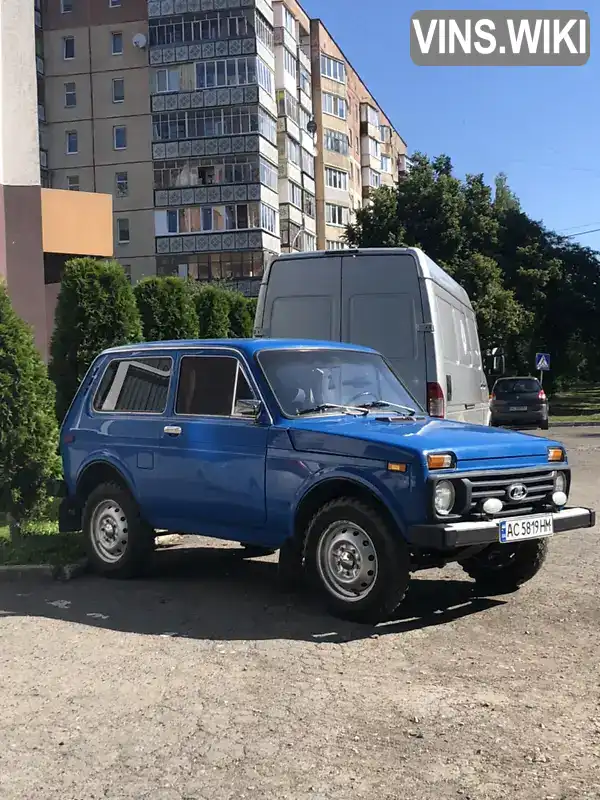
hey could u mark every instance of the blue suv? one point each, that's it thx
(314, 449)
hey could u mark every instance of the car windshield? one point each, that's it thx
(518, 386)
(331, 381)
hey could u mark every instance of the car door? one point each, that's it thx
(213, 449)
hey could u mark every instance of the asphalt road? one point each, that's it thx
(205, 682)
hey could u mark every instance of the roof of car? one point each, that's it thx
(247, 346)
(518, 378)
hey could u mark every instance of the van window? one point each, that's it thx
(474, 339)
(385, 322)
(448, 332)
(464, 350)
(292, 317)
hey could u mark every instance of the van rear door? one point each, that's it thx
(381, 308)
(301, 299)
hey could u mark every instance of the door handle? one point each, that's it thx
(172, 430)
(469, 405)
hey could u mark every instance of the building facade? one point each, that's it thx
(217, 126)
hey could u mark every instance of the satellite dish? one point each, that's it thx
(139, 40)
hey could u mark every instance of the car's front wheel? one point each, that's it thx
(504, 568)
(359, 563)
(118, 541)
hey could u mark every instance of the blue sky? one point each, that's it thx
(540, 125)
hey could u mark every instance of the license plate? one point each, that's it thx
(518, 408)
(515, 530)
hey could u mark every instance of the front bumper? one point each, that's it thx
(453, 535)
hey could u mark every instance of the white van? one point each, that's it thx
(396, 300)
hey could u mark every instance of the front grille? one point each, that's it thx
(539, 485)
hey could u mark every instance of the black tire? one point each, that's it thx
(390, 556)
(122, 508)
(254, 551)
(545, 426)
(504, 568)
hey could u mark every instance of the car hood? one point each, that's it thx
(372, 436)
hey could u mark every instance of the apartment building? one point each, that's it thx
(216, 125)
(359, 148)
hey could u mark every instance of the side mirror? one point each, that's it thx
(249, 408)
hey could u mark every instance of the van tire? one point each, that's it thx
(333, 534)
(545, 426)
(503, 569)
(110, 512)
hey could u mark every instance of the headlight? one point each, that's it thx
(560, 482)
(444, 497)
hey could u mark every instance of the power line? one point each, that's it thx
(581, 233)
(577, 227)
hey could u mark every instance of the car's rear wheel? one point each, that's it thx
(118, 541)
(359, 564)
(504, 568)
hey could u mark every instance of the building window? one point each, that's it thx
(264, 31)
(121, 184)
(209, 122)
(289, 62)
(232, 72)
(208, 219)
(309, 243)
(72, 143)
(66, 6)
(336, 215)
(332, 68)
(295, 195)
(123, 230)
(335, 105)
(178, 29)
(374, 179)
(309, 204)
(214, 170)
(266, 78)
(269, 175)
(287, 105)
(336, 142)
(117, 43)
(120, 137)
(374, 148)
(336, 179)
(70, 95)
(308, 163)
(371, 115)
(385, 133)
(386, 164)
(336, 244)
(118, 90)
(289, 23)
(167, 80)
(268, 219)
(114, 3)
(304, 81)
(68, 48)
(73, 183)
(292, 150)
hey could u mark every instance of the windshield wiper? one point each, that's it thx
(385, 404)
(327, 406)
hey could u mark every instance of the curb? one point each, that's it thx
(62, 573)
(575, 424)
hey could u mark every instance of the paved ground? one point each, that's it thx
(205, 682)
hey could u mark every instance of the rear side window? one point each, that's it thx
(212, 386)
(139, 385)
(518, 386)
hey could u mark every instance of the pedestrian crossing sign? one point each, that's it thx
(542, 362)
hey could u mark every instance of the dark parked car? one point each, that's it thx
(519, 402)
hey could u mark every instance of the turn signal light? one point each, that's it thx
(556, 454)
(440, 461)
(396, 467)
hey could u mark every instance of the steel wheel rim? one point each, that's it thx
(347, 561)
(109, 531)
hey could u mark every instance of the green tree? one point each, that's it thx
(167, 309)
(240, 319)
(96, 309)
(212, 309)
(28, 429)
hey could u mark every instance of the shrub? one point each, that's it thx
(240, 320)
(96, 309)
(252, 303)
(28, 431)
(212, 309)
(167, 310)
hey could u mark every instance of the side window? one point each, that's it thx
(138, 385)
(212, 386)
(448, 337)
(464, 349)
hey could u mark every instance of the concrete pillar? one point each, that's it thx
(21, 250)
